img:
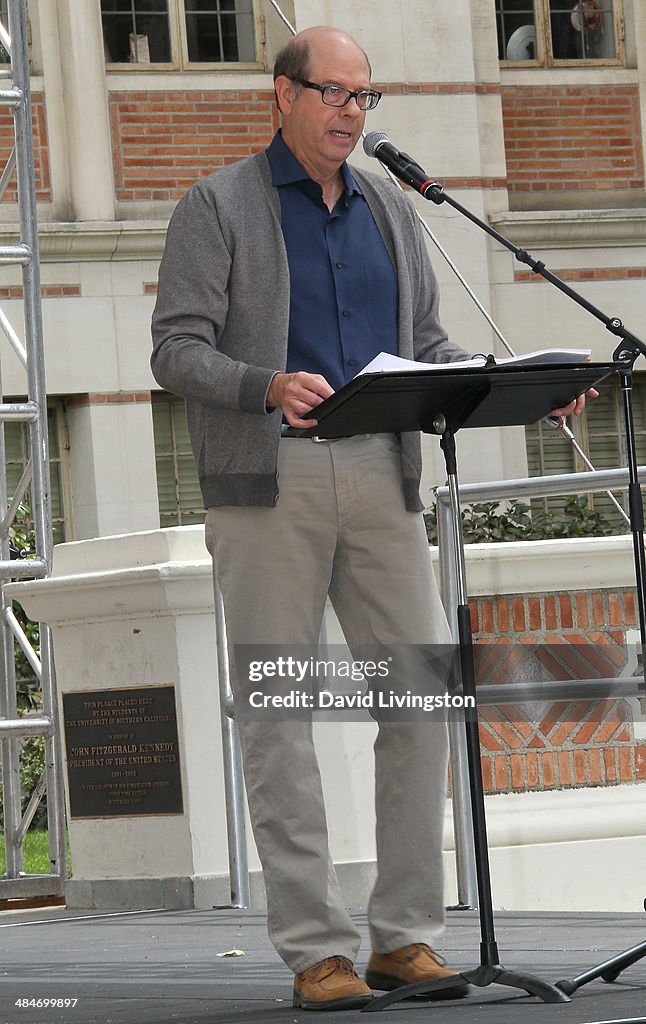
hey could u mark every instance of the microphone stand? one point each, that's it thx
(490, 971)
(625, 355)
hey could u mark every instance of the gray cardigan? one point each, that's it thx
(221, 320)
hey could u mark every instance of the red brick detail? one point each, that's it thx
(613, 723)
(40, 146)
(517, 773)
(110, 398)
(565, 769)
(587, 274)
(150, 287)
(625, 764)
(549, 607)
(551, 718)
(163, 142)
(610, 764)
(555, 636)
(531, 769)
(575, 714)
(534, 608)
(598, 613)
(565, 608)
(439, 88)
(580, 766)
(594, 766)
(488, 740)
(473, 612)
(615, 615)
(572, 137)
(485, 765)
(47, 291)
(582, 610)
(502, 613)
(507, 735)
(548, 770)
(450, 184)
(501, 772)
(630, 615)
(486, 616)
(518, 614)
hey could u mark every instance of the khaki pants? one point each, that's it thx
(341, 527)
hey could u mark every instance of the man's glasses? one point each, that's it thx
(336, 96)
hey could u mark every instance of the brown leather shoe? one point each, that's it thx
(332, 984)
(411, 964)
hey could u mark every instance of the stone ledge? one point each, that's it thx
(564, 229)
(102, 241)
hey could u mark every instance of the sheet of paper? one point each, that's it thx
(386, 363)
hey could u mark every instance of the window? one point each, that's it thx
(4, 19)
(178, 32)
(548, 32)
(17, 455)
(600, 432)
(178, 488)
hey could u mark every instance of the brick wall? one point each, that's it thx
(569, 635)
(572, 137)
(41, 155)
(163, 142)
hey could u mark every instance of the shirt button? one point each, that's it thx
(346, 312)
(340, 266)
(352, 362)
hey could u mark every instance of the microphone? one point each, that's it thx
(402, 165)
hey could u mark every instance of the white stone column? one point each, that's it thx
(114, 486)
(638, 44)
(54, 109)
(87, 119)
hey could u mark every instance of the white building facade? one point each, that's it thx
(530, 112)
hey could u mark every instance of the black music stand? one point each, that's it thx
(441, 401)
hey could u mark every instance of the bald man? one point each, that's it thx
(283, 276)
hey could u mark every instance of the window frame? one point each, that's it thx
(584, 430)
(545, 58)
(56, 408)
(180, 62)
(183, 516)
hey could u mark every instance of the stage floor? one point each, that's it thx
(162, 967)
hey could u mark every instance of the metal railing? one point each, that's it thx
(234, 791)
(35, 479)
(501, 490)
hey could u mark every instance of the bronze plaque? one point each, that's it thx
(122, 752)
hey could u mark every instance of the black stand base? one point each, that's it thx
(496, 974)
(481, 977)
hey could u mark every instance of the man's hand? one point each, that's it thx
(577, 406)
(296, 394)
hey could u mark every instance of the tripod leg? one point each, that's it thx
(609, 970)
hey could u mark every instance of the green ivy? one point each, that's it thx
(489, 521)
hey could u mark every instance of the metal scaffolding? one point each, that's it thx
(15, 95)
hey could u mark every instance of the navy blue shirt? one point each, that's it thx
(343, 305)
